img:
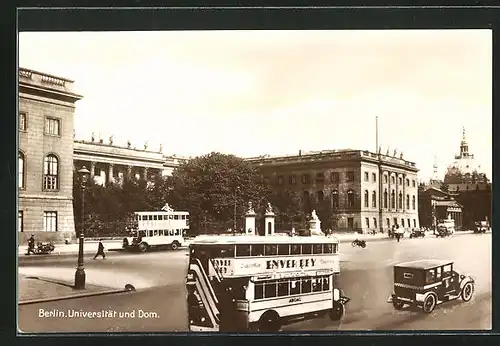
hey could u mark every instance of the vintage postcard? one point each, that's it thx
(254, 181)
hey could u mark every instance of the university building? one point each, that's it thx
(45, 158)
(366, 191)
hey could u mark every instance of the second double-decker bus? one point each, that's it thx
(165, 228)
(260, 283)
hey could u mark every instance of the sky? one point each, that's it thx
(253, 93)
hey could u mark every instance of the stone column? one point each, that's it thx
(92, 169)
(250, 220)
(404, 193)
(129, 172)
(145, 174)
(269, 221)
(110, 174)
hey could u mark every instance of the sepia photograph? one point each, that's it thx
(255, 181)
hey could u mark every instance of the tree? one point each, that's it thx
(209, 186)
(289, 211)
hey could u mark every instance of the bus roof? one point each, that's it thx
(255, 239)
(161, 212)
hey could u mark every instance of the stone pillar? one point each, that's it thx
(250, 220)
(145, 176)
(269, 220)
(111, 179)
(129, 172)
(92, 169)
(404, 193)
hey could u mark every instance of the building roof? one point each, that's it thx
(450, 203)
(424, 264)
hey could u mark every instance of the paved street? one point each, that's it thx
(366, 278)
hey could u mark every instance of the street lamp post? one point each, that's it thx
(234, 220)
(80, 270)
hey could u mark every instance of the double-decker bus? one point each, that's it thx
(260, 283)
(165, 228)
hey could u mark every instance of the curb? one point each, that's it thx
(128, 288)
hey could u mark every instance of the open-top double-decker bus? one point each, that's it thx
(260, 283)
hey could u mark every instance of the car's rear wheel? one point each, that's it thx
(429, 303)
(398, 304)
(175, 245)
(467, 292)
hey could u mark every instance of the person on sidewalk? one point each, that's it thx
(100, 250)
(31, 245)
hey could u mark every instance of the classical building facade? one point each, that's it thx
(366, 191)
(435, 204)
(45, 158)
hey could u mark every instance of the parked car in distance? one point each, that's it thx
(482, 227)
(416, 233)
(428, 283)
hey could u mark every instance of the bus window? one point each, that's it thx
(270, 290)
(335, 248)
(283, 287)
(317, 284)
(172, 232)
(176, 217)
(224, 251)
(317, 248)
(143, 233)
(170, 217)
(150, 217)
(295, 250)
(155, 217)
(327, 248)
(271, 250)
(283, 249)
(183, 217)
(259, 291)
(326, 283)
(242, 250)
(150, 233)
(294, 287)
(306, 285)
(257, 250)
(155, 232)
(306, 249)
(160, 232)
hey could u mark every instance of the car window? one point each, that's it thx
(439, 271)
(447, 269)
(430, 276)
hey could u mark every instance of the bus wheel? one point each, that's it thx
(143, 247)
(269, 322)
(337, 312)
(175, 245)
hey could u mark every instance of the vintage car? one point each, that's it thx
(417, 232)
(427, 283)
(482, 227)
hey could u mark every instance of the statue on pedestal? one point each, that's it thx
(269, 208)
(314, 216)
(250, 208)
(111, 140)
(129, 144)
(92, 137)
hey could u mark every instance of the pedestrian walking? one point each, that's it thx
(100, 250)
(31, 245)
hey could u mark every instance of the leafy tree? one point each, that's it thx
(210, 186)
(289, 210)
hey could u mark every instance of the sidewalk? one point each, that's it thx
(32, 288)
(88, 247)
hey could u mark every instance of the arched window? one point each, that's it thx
(374, 200)
(321, 196)
(413, 203)
(393, 199)
(407, 201)
(366, 198)
(50, 173)
(21, 163)
(335, 199)
(385, 198)
(350, 198)
(400, 201)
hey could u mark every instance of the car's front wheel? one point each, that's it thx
(429, 303)
(398, 304)
(467, 292)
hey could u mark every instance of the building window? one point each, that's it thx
(50, 221)
(403, 223)
(414, 184)
(50, 172)
(350, 176)
(320, 177)
(375, 222)
(413, 202)
(321, 196)
(20, 221)
(280, 180)
(335, 199)
(385, 198)
(21, 162)
(292, 179)
(385, 178)
(22, 121)
(366, 198)
(415, 223)
(409, 224)
(374, 177)
(407, 182)
(52, 126)
(350, 222)
(388, 222)
(374, 199)
(305, 178)
(350, 198)
(393, 199)
(334, 176)
(400, 201)
(366, 176)
(393, 180)
(367, 221)
(407, 201)
(400, 180)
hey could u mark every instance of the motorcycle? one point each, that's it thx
(360, 243)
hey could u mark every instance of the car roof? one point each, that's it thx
(424, 264)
